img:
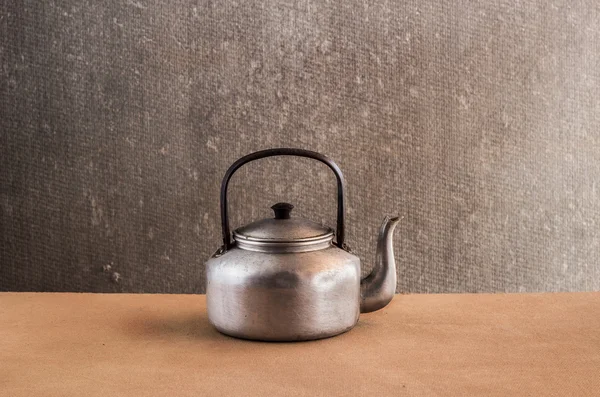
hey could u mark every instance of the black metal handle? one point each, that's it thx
(283, 152)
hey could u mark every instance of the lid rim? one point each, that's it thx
(284, 246)
(240, 236)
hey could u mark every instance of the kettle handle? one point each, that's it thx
(283, 152)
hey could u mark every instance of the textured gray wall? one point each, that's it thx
(477, 121)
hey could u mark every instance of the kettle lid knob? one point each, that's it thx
(282, 210)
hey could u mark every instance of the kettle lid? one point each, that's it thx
(283, 233)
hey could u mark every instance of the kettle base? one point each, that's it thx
(282, 338)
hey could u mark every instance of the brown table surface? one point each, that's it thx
(420, 345)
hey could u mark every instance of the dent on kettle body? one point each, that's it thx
(379, 287)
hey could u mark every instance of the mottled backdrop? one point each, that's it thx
(478, 121)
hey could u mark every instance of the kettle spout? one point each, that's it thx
(379, 287)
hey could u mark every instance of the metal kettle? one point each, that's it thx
(286, 279)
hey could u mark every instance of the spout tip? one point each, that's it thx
(389, 224)
(393, 219)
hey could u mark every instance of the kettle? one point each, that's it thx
(286, 279)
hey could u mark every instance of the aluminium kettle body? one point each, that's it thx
(286, 279)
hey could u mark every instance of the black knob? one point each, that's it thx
(282, 210)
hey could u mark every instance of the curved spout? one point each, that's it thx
(379, 287)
